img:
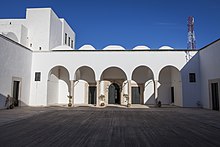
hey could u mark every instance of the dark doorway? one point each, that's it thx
(114, 94)
(92, 95)
(215, 96)
(16, 92)
(172, 94)
(136, 95)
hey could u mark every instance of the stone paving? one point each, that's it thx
(109, 126)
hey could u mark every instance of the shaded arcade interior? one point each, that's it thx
(114, 87)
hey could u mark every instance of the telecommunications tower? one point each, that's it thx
(191, 43)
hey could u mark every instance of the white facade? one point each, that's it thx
(43, 59)
(42, 30)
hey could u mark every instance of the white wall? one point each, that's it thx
(55, 31)
(149, 97)
(45, 29)
(63, 93)
(38, 23)
(17, 27)
(191, 91)
(209, 69)
(15, 61)
(52, 90)
(70, 33)
(99, 61)
(41, 29)
(80, 92)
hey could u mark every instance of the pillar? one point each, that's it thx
(156, 90)
(102, 88)
(71, 93)
(129, 91)
(126, 88)
(97, 92)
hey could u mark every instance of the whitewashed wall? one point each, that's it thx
(99, 61)
(191, 91)
(69, 31)
(15, 61)
(149, 97)
(38, 23)
(15, 29)
(209, 69)
(55, 32)
(81, 90)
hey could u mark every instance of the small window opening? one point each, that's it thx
(37, 76)
(192, 77)
(65, 38)
(69, 42)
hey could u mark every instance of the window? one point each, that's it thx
(69, 42)
(40, 48)
(192, 77)
(37, 76)
(65, 38)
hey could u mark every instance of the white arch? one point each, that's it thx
(114, 68)
(144, 78)
(58, 85)
(166, 48)
(58, 65)
(114, 47)
(87, 73)
(62, 47)
(170, 85)
(140, 69)
(166, 65)
(12, 36)
(141, 47)
(87, 47)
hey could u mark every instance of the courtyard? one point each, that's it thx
(109, 126)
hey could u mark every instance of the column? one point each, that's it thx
(102, 88)
(155, 90)
(97, 92)
(71, 93)
(125, 94)
(126, 88)
(129, 91)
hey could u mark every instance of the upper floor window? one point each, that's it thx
(192, 77)
(69, 42)
(37, 76)
(65, 38)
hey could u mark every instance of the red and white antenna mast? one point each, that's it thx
(191, 43)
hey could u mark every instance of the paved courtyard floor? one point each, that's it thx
(110, 126)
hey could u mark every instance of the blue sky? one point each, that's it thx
(129, 23)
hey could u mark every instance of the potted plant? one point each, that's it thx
(70, 100)
(102, 99)
(127, 100)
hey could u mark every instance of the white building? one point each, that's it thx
(40, 66)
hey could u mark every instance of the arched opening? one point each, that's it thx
(114, 94)
(85, 86)
(12, 36)
(112, 85)
(142, 86)
(170, 86)
(58, 85)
